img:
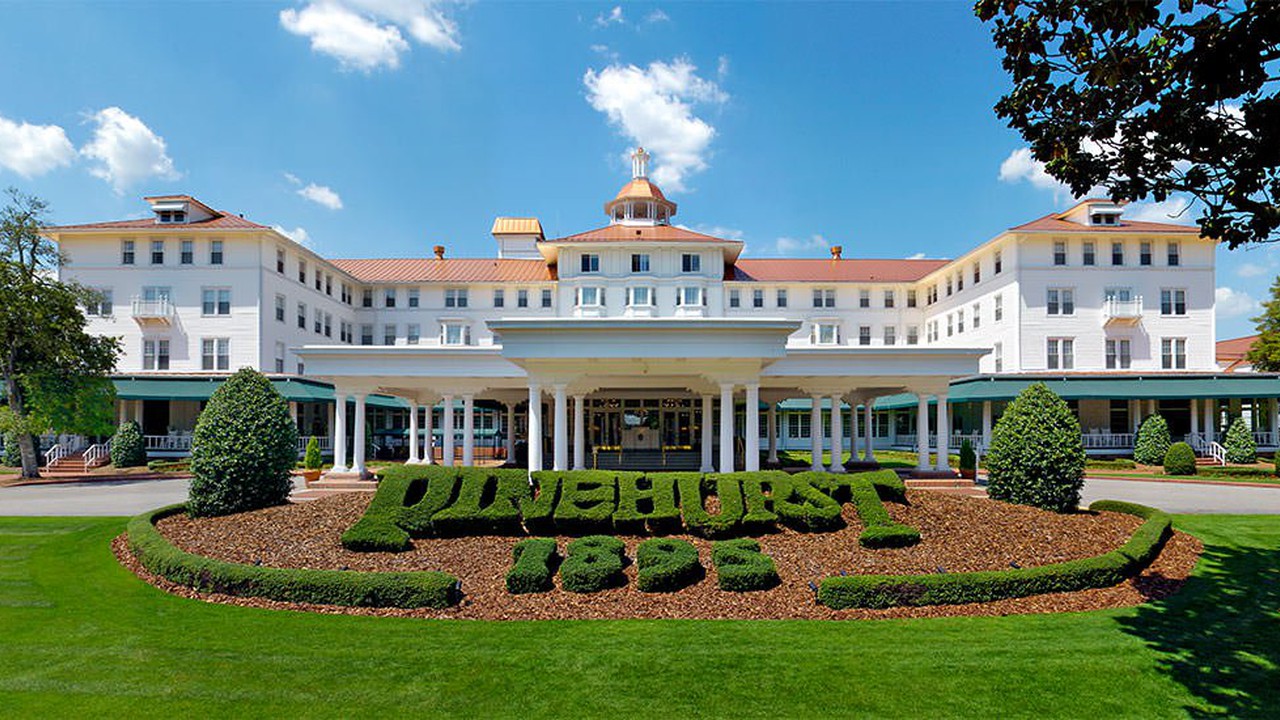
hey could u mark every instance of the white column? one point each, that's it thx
(446, 430)
(468, 430)
(329, 423)
(535, 427)
(1151, 407)
(922, 432)
(413, 432)
(707, 436)
(1195, 416)
(868, 430)
(837, 435)
(511, 432)
(944, 434)
(1135, 414)
(815, 433)
(429, 430)
(293, 412)
(752, 425)
(357, 465)
(726, 427)
(1210, 418)
(560, 458)
(1275, 420)
(853, 431)
(773, 433)
(579, 433)
(339, 428)
(986, 423)
(122, 412)
(137, 412)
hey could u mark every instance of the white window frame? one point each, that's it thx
(215, 353)
(455, 333)
(455, 297)
(684, 298)
(217, 253)
(1173, 353)
(1060, 301)
(589, 296)
(1176, 297)
(826, 333)
(590, 263)
(213, 300)
(1060, 353)
(1119, 353)
(640, 262)
(649, 296)
(690, 263)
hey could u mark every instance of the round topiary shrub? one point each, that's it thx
(128, 449)
(1036, 456)
(312, 460)
(1180, 460)
(1239, 444)
(1153, 441)
(245, 446)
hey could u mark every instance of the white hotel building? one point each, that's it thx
(643, 344)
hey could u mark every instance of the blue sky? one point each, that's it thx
(383, 127)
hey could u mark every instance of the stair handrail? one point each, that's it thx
(57, 452)
(97, 452)
(1217, 452)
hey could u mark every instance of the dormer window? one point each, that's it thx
(172, 216)
(1105, 218)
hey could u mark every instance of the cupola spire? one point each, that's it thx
(639, 163)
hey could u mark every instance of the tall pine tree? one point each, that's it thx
(1265, 353)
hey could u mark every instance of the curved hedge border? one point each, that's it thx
(323, 587)
(1106, 570)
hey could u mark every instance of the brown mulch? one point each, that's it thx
(959, 534)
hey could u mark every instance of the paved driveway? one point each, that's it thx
(1188, 497)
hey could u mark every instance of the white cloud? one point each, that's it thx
(916, 256)
(127, 151)
(657, 16)
(1174, 210)
(719, 231)
(790, 246)
(322, 195)
(368, 34)
(31, 150)
(1250, 270)
(613, 17)
(1020, 166)
(654, 107)
(298, 234)
(1230, 303)
(722, 68)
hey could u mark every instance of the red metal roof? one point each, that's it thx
(643, 233)
(818, 270)
(221, 221)
(1054, 223)
(458, 270)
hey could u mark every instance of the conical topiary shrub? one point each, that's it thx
(1153, 441)
(244, 448)
(1239, 444)
(312, 459)
(1036, 455)
(128, 449)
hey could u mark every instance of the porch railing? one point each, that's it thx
(325, 442)
(97, 454)
(975, 439)
(168, 443)
(1107, 441)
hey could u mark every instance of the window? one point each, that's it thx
(215, 301)
(1118, 354)
(960, 320)
(155, 354)
(931, 296)
(1061, 301)
(1117, 253)
(757, 298)
(1090, 253)
(959, 281)
(328, 285)
(639, 263)
(640, 296)
(798, 425)
(302, 271)
(1173, 302)
(948, 286)
(951, 328)
(455, 334)
(279, 357)
(415, 297)
(499, 298)
(782, 297)
(590, 263)
(215, 252)
(1060, 353)
(280, 260)
(977, 318)
(690, 263)
(389, 297)
(735, 298)
(389, 334)
(590, 296)
(913, 335)
(455, 297)
(1174, 254)
(100, 305)
(826, 333)
(864, 298)
(186, 252)
(173, 216)
(344, 331)
(366, 298)
(319, 279)
(824, 298)
(689, 297)
(328, 325)
(302, 369)
(346, 293)
(998, 313)
(864, 334)
(157, 252)
(522, 298)
(546, 297)
(1144, 253)
(1059, 252)
(911, 298)
(319, 322)
(215, 354)
(890, 335)
(302, 316)
(156, 294)
(997, 352)
(999, 262)
(126, 252)
(413, 334)
(366, 334)
(1122, 294)
(1173, 353)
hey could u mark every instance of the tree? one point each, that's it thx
(1239, 444)
(1037, 456)
(128, 448)
(54, 373)
(243, 450)
(1264, 355)
(1149, 100)
(1153, 441)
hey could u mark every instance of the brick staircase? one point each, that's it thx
(327, 488)
(72, 465)
(949, 486)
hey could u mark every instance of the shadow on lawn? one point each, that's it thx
(1220, 636)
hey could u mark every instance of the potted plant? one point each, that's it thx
(968, 461)
(312, 461)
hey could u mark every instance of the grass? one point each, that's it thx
(82, 636)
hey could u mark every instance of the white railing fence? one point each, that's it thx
(151, 308)
(98, 454)
(325, 443)
(1264, 438)
(1107, 441)
(172, 443)
(975, 439)
(1117, 309)
(55, 453)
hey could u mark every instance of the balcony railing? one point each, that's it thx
(180, 442)
(1122, 312)
(147, 311)
(325, 442)
(1107, 441)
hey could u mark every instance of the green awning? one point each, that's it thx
(1086, 387)
(200, 388)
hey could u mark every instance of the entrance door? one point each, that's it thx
(606, 429)
(155, 417)
(678, 429)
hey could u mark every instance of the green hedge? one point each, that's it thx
(1106, 570)
(587, 501)
(324, 587)
(666, 565)
(879, 530)
(1180, 460)
(758, 491)
(533, 566)
(802, 506)
(539, 509)
(592, 563)
(488, 503)
(741, 567)
(646, 503)
(695, 489)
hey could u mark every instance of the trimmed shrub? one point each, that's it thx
(758, 492)
(694, 491)
(879, 530)
(592, 563)
(533, 566)
(538, 510)
(323, 587)
(968, 458)
(804, 507)
(245, 446)
(646, 502)
(128, 448)
(587, 501)
(1180, 460)
(666, 565)
(312, 460)
(12, 453)
(1106, 570)
(741, 567)
(887, 484)
(1239, 444)
(487, 504)
(1037, 456)
(1153, 441)
(1117, 464)
(407, 497)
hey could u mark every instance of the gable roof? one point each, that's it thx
(819, 270)
(457, 270)
(642, 233)
(219, 221)
(1053, 222)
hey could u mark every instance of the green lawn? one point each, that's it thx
(80, 636)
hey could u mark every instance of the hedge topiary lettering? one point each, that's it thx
(1037, 456)
(128, 448)
(244, 448)
(694, 492)
(487, 504)
(592, 563)
(587, 501)
(646, 503)
(804, 507)
(879, 530)
(666, 565)
(1153, 441)
(539, 509)
(758, 492)
(741, 567)
(1239, 444)
(533, 567)
(1180, 460)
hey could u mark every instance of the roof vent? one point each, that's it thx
(835, 251)
(439, 251)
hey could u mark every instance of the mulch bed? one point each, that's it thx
(959, 534)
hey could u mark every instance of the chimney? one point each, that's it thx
(439, 251)
(835, 251)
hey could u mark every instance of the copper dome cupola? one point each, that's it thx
(640, 202)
